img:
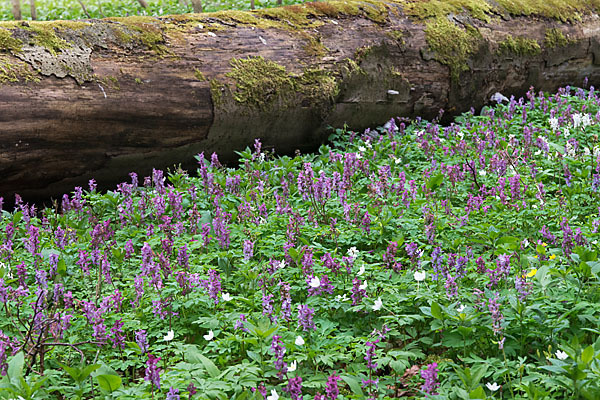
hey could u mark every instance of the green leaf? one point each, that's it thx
(353, 383)
(109, 382)
(86, 372)
(478, 393)
(195, 357)
(435, 182)
(587, 354)
(436, 311)
(15, 367)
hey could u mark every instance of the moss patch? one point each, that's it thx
(8, 42)
(520, 46)
(16, 71)
(199, 75)
(396, 35)
(451, 44)
(45, 36)
(563, 10)
(422, 10)
(314, 47)
(555, 38)
(261, 83)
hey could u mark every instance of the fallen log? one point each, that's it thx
(100, 98)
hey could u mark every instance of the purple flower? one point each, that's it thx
(357, 291)
(213, 285)
(173, 394)
(279, 351)
(286, 301)
(152, 371)
(430, 374)
(305, 317)
(267, 305)
(294, 388)
(239, 324)
(142, 340)
(248, 249)
(371, 354)
(116, 334)
(331, 387)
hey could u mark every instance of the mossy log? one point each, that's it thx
(100, 98)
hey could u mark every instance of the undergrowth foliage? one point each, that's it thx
(415, 260)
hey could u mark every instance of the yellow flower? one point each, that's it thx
(536, 256)
(544, 244)
(552, 257)
(532, 273)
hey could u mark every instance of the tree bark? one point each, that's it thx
(99, 99)
(32, 9)
(16, 9)
(197, 6)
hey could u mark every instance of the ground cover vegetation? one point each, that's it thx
(49, 10)
(414, 260)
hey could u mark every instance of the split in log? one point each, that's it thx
(98, 99)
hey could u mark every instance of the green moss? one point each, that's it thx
(16, 71)
(46, 37)
(8, 42)
(563, 10)
(319, 86)
(555, 38)
(520, 46)
(145, 30)
(138, 81)
(199, 75)
(314, 47)
(396, 35)
(451, 44)
(216, 92)
(259, 81)
(362, 52)
(423, 10)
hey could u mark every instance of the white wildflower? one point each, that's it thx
(577, 120)
(363, 286)
(553, 124)
(315, 282)
(299, 341)
(461, 308)
(273, 396)
(226, 297)
(492, 386)
(169, 336)
(378, 304)
(293, 366)
(361, 270)
(586, 121)
(561, 355)
(209, 336)
(498, 97)
(353, 253)
(420, 276)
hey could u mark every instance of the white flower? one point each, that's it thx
(498, 97)
(315, 282)
(570, 150)
(378, 304)
(363, 286)
(553, 123)
(361, 270)
(341, 298)
(586, 121)
(561, 355)
(461, 308)
(353, 253)
(397, 160)
(482, 172)
(525, 242)
(293, 366)
(492, 386)
(299, 341)
(273, 396)
(281, 264)
(362, 149)
(577, 120)
(358, 156)
(420, 276)
(226, 297)
(169, 336)
(210, 335)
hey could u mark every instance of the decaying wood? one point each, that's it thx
(99, 99)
